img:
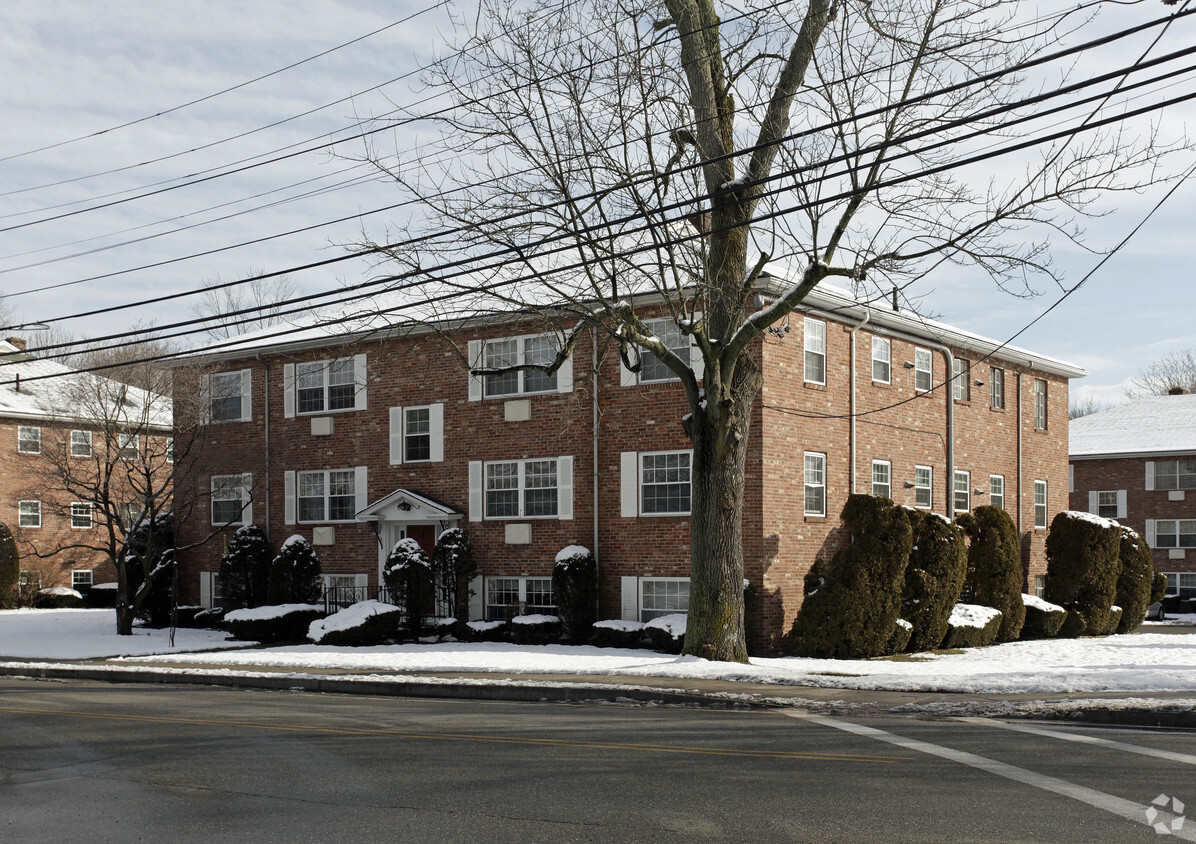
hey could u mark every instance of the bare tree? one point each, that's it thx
(1078, 406)
(1176, 370)
(590, 142)
(224, 306)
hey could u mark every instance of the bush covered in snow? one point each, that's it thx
(408, 577)
(10, 568)
(1043, 619)
(852, 603)
(148, 559)
(667, 632)
(614, 633)
(101, 596)
(58, 598)
(364, 623)
(1083, 562)
(486, 631)
(453, 567)
(933, 578)
(1134, 580)
(575, 590)
(972, 626)
(280, 623)
(245, 568)
(994, 576)
(295, 573)
(535, 629)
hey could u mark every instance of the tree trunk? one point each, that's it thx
(125, 612)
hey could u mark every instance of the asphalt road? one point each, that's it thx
(94, 762)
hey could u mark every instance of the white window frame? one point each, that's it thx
(1040, 505)
(882, 469)
(966, 477)
(687, 469)
(521, 583)
(927, 487)
(78, 579)
(682, 346)
(81, 516)
(813, 483)
(400, 434)
(80, 443)
(1113, 498)
(923, 370)
(1171, 480)
(961, 372)
(233, 384)
(1040, 404)
(996, 387)
(239, 483)
(29, 439)
(128, 446)
(521, 488)
(1177, 532)
(882, 360)
(170, 449)
(814, 349)
(674, 590)
(326, 495)
(29, 513)
(996, 491)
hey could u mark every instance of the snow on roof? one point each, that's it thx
(33, 388)
(1156, 425)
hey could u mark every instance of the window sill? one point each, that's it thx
(679, 515)
(814, 517)
(813, 385)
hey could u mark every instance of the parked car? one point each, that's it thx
(1155, 612)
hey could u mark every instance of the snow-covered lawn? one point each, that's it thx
(1144, 662)
(88, 634)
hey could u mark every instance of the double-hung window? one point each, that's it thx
(1175, 474)
(81, 579)
(652, 368)
(1040, 404)
(326, 385)
(881, 360)
(882, 479)
(665, 483)
(1040, 504)
(228, 396)
(923, 491)
(539, 349)
(29, 514)
(417, 434)
(1175, 533)
(996, 388)
(128, 446)
(663, 596)
(923, 370)
(814, 471)
(81, 515)
(521, 489)
(1106, 504)
(996, 490)
(29, 439)
(963, 492)
(329, 495)
(507, 597)
(230, 498)
(80, 443)
(960, 389)
(815, 351)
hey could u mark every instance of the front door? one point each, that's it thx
(425, 535)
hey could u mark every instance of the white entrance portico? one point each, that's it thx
(403, 514)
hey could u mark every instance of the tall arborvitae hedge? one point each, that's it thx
(933, 578)
(1158, 586)
(1083, 562)
(853, 602)
(453, 567)
(10, 568)
(575, 590)
(408, 577)
(295, 573)
(245, 569)
(1134, 581)
(995, 576)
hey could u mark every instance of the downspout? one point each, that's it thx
(1019, 457)
(851, 438)
(266, 431)
(594, 454)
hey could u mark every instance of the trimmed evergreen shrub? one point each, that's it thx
(667, 632)
(295, 574)
(362, 624)
(408, 576)
(149, 546)
(852, 603)
(994, 575)
(1083, 562)
(1043, 619)
(10, 568)
(100, 596)
(58, 598)
(535, 629)
(899, 641)
(972, 626)
(1158, 586)
(1134, 580)
(212, 619)
(486, 631)
(453, 567)
(614, 633)
(575, 590)
(280, 623)
(1115, 615)
(245, 568)
(933, 578)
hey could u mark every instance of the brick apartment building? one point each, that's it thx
(354, 441)
(51, 415)
(1137, 463)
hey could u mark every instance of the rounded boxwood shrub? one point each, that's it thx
(1134, 580)
(1083, 562)
(364, 623)
(852, 603)
(667, 632)
(575, 590)
(10, 568)
(972, 626)
(295, 574)
(245, 568)
(615, 633)
(101, 596)
(408, 576)
(994, 577)
(58, 598)
(933, 578)
(486, 631)
(1043, 619)
(280, 623)
(535, 629)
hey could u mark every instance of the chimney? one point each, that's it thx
(19, 342)
(1177, 391)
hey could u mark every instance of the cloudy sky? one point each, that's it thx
(95, 213)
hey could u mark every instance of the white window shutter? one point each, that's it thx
(436, 430)
(205, 589)
(288, 479)
(1071, 477)
(205, 399)
(564, 487)
(475, 490)
(477, 597)
(475, 360)
(359, 382)
(564, 376)
(629, 602)
(396, 436)
(361, 581)
(1150, 474)
(247, 491)
(629, 484)
(288, 390)
(246, 395)
(362, 488)
(627, 378)
(212, 499)
(1121, 503)
(1094, 502)
(1150, 533)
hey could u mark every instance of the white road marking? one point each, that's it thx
(1127, 809)
(1170, 755)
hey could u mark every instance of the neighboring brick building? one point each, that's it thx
(1137, 463)
(355, 441)
(50, 417)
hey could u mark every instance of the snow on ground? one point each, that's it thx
(88, 634)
